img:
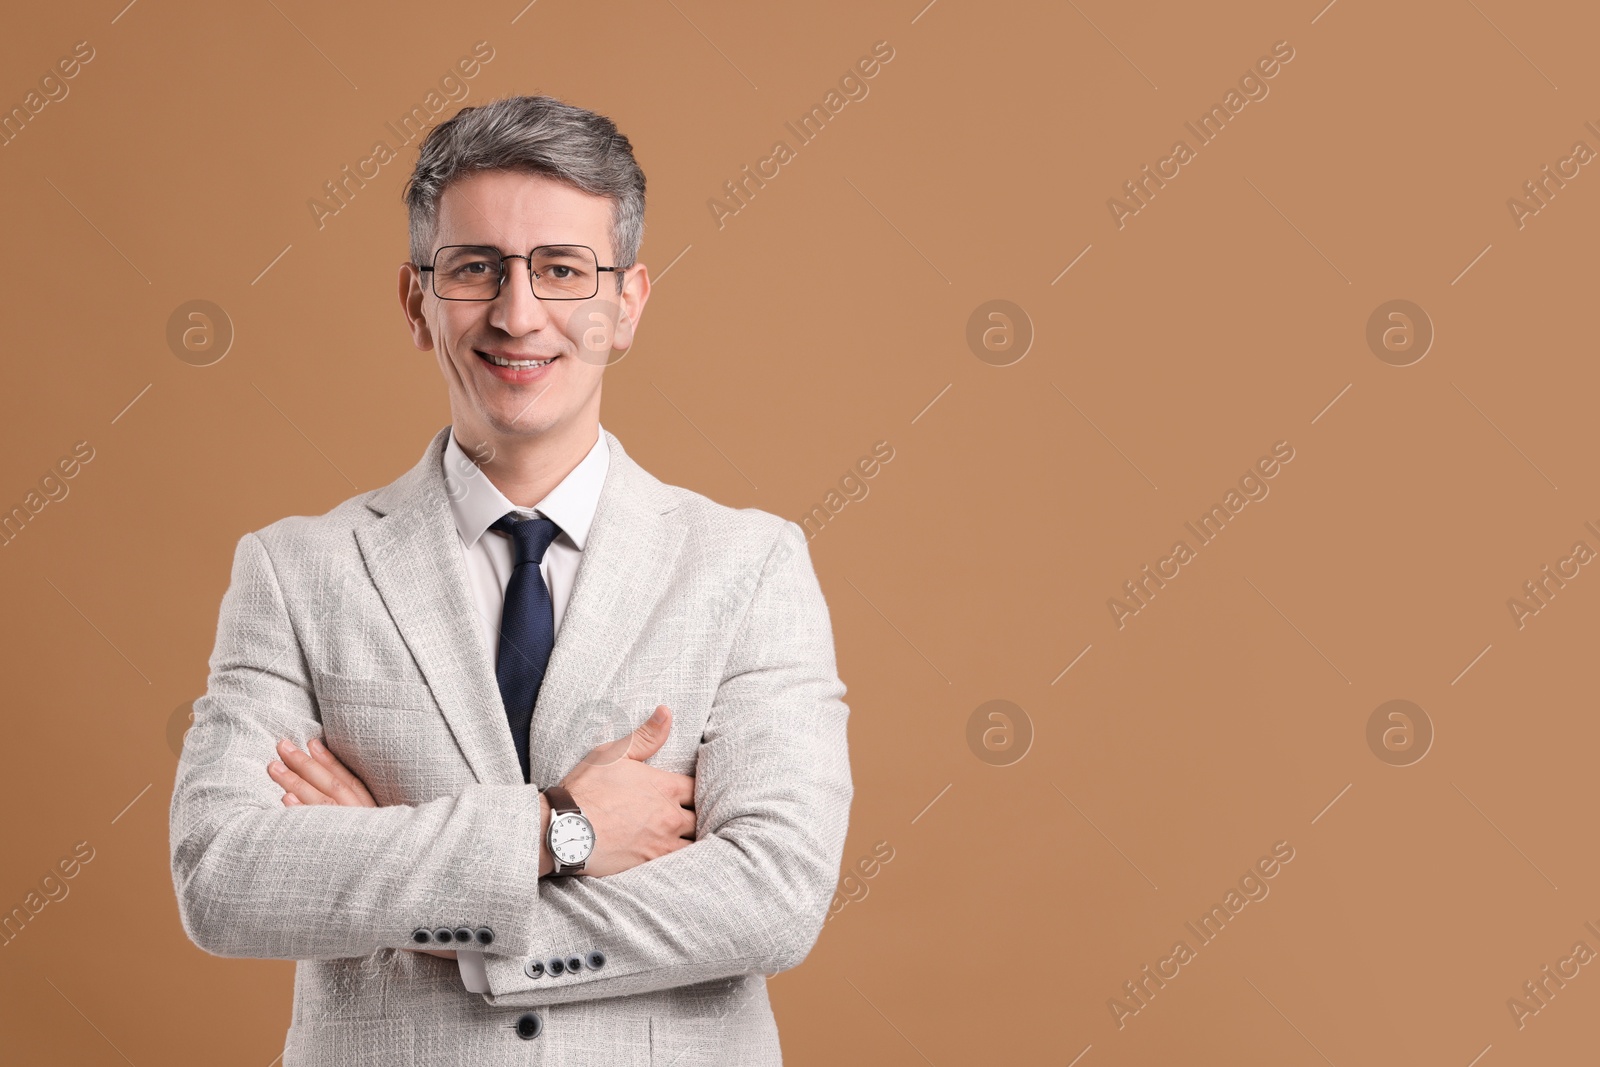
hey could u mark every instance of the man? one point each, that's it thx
(526, 702)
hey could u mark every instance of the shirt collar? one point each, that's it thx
(476, 503)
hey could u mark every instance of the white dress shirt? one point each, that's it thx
(476, 504)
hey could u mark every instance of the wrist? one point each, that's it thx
(571, 847)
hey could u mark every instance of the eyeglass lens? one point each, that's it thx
(475, 272)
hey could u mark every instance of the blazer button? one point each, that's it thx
(597, 960)
(574, 964)
(529, 1025)
(485, 936)
(421, 936)
(534, 969)
(443, 936)
(555, 967)
(463, 934)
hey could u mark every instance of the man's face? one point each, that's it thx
(516, 212)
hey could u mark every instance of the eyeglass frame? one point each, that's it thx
(504, 274)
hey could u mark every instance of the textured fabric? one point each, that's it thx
(357, 626)
(527, 626)
(476, 504)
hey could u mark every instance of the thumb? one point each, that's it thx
(645, 741)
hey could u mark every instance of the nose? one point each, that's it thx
(515, 309)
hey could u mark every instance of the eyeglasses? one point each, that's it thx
(477, 272)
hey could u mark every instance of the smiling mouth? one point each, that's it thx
(514, 364)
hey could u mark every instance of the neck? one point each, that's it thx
(524, 468)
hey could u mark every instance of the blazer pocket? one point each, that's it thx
(392, 735)
(400, 694)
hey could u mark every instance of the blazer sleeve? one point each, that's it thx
(255, 878)
(772, 797)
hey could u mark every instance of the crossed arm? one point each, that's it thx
(257, 876)
(639, 812)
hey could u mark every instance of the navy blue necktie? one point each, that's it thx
(527, 626)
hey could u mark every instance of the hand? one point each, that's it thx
(638, 812)
(319, 778)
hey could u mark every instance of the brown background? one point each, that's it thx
(825, 317)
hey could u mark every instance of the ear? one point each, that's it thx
(635, 291)
(413, 290)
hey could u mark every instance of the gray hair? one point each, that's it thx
(539, 135)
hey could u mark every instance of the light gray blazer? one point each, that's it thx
(358, 626)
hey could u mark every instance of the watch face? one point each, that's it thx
(571, 838)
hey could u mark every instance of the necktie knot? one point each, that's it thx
(530, 537)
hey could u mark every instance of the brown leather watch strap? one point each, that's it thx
(561, 802)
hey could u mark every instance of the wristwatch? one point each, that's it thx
(571, 837)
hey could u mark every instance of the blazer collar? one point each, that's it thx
(413, 553)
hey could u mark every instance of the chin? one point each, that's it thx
(531, 424)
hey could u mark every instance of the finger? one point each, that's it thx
(651, 734)
(317, 775)
(291, 801)
(292, 783)
(307, 768)
(687, 824)
(678, 788)
(346, 777)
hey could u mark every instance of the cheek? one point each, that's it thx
(591, 329)
(455, 324)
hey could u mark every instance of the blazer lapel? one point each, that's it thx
(627, 563)
(413, 554)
